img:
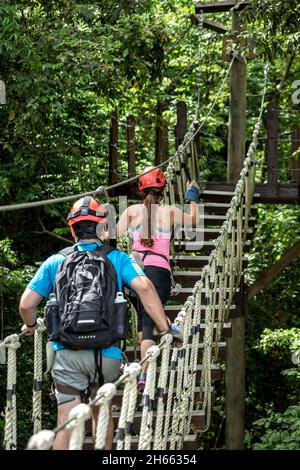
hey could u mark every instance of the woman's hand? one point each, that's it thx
(191, 184)
(192, 192)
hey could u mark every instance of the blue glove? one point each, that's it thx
(174, 328)
(175, 332)
(192, 194)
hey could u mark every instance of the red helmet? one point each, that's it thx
(153, 179)
(86, 208)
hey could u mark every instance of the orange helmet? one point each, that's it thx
(86, 208)
(153, 179)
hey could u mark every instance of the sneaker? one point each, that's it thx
(142, 381)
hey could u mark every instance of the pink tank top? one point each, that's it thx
(161, 245)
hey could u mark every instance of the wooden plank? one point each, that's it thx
(221, 6)
(130, 132)
(113, 153)
(208, 24)
(196, 261)
(287, 192)
(130, 353)
(189, 442)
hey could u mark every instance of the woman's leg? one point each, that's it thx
(161, 279)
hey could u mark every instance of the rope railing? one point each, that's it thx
(172, 385)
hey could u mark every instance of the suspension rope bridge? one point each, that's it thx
(178, 385)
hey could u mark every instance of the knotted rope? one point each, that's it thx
(12, 343)
(38, 376)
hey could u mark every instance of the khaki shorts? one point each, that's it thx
(76, 369)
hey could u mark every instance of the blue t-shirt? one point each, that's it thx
(125, 266)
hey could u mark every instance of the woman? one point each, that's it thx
(151, 225)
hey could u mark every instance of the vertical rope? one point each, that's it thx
(10, 430)
(148, 399)
(194, 353)
(131, 372)
(174, 359)
(103, 398)
(161, 391)
(38, 376)
(80, 414)
(182, 352)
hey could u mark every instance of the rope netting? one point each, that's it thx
(172, 375)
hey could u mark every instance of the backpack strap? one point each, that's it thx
(98, 366)
(67, 251)
(150, 252)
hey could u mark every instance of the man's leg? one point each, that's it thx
(62, 438)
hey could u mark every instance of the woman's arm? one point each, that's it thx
(192, 217)
(123, 224)
(186, 218)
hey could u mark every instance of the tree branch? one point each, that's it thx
(48, 232)
(287, 258)
(286, 73)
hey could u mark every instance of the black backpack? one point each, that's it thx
(86, 288)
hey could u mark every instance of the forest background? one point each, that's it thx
(67, 66)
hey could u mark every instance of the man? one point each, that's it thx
(73, 371)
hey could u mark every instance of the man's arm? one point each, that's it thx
(151, 302)
(27, 308)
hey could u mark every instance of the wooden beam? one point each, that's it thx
(237, 111)
(113, 153)
(208, 24)
(130, 145)
(218, 7)
(182, 122)
(235, 380)
(161, 135)
(273, 271)
(295, 157)
(272, 144)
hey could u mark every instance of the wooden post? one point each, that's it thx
(113, 153)
(235, 350)
(272, 145)
(161, 135)
(164, 142)
(181, 126)
(237, 111)
(130, 131)
(235, 379)
(295, 160)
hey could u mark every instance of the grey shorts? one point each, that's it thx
(76, 369)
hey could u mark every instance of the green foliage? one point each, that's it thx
(275, 26)
(279, 342)
(279, 431)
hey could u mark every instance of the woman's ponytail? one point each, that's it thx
(148, 219)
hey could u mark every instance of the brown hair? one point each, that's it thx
(153, 197)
